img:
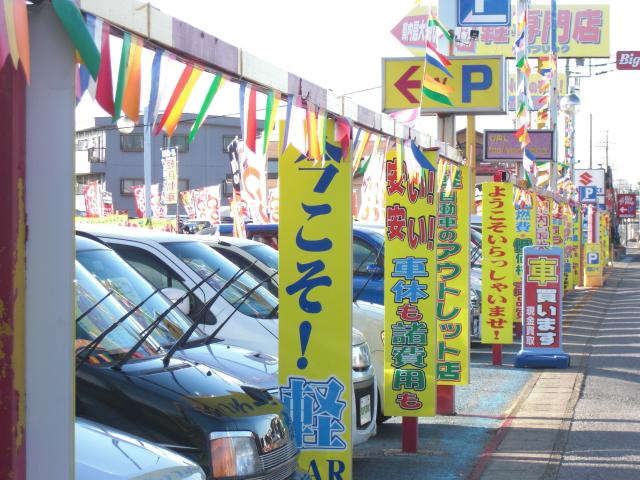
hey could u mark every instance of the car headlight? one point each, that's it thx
(234, 454)
(360, 357)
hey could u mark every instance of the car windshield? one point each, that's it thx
(204, 261)
(130, 288)
(121, 339)
(264, 253)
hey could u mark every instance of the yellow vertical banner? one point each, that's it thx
(576, 222)
(453, 264)
(525, 212)
(315, 307)
(543, 220)
(498, 262)
(410, 290)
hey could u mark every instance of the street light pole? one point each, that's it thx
(147, 164)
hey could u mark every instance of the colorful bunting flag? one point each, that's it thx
(104, 83)
(270, 114)
(71, 19)
(156, 65)
(180, 86)
(216, 83)
(422, 159)
(131, 95)
(248, 122)
(313, 145)
(22, 35)
(436, 59)
(122, 74)
(407, 117)
(434, 21)
(359, 150)
(173, 116)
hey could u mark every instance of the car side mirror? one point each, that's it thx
(173, 294)
(375, 270)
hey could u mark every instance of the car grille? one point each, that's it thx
(279, 464)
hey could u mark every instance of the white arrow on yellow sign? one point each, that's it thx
(479, 85)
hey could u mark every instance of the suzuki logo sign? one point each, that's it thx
(586, 178)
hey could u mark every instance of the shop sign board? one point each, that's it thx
(479, 85)
(542, 312)
(502, 145)
(583, 32)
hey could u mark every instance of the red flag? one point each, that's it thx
(104, 86)
(251, 121)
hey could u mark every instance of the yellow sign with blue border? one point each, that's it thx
(410, 289)
(315, 306)
(478, 83)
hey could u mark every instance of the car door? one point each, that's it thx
(161, 276)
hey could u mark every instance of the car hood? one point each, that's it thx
(249, 367)
(103, 453)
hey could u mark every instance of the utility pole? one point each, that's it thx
(591, 140)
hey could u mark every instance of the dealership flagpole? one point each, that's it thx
(553, 100)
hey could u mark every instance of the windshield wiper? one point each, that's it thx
(147, 331)
(364, 285)
(239, 303)
(185, 336)
(90, 347)
(92, 308)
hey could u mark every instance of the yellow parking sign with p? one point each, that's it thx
(478, 85)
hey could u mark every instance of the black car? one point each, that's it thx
(127, 378)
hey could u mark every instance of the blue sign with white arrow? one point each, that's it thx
(484, 13)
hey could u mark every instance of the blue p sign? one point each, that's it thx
(482, 80)
(593, 258)
(588, 194)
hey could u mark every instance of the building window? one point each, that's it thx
(272, 168)
(226, 141)
(127, 184)
(82, 180)
(134, 142)
(183, 184)
(179, 141)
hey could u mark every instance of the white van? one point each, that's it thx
(175, 261)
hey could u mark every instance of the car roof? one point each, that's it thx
(236, 242)
(132, 232)
(84, 244)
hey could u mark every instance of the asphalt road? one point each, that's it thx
(603, 441)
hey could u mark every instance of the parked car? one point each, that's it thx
(104, 453)
(180, 261)
(127, 379)
(262, 262)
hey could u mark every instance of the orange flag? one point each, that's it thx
(22, 35)
(131, 98)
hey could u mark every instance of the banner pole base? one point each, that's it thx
(446, 400)
(496, 352)
(410, 434)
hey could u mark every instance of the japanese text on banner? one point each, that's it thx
(543, 220)
(498, 232)
(315, 313)
(170, 176)
(525, 237)
(453, 263)
(409, 284)
(542, 298)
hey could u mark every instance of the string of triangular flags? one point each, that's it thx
(432, 87)
(547, 69)
(14, 35)
(523, 105)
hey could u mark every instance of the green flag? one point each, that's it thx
(72, 21)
